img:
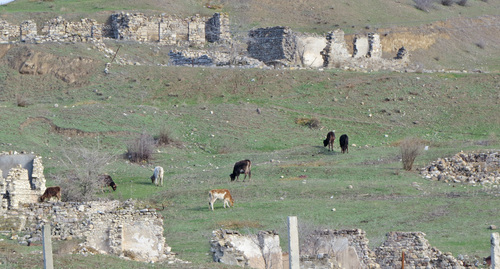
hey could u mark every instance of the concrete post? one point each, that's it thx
(293, 243)
(495, 251)
(47, 247)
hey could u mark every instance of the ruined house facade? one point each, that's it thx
(21, 180)
(271, 46)
(330, 249)
(108, 227)
(164, 29)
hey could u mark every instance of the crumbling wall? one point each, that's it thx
(272, 44)
(170, 30)
(8, 31)
(260, 251)
(335, 53)
(21, 180)
(108, 227)
(418, 253)
(309, 50)
(217, 28)
(344, 248)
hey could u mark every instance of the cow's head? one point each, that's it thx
(113, 186)
(232, 176)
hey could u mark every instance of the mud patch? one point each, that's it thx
(29, 61)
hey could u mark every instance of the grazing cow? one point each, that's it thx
(242, 167)
(330, 138)
(222, 194)
(107, 181)
(157, 177)
(51, 192)
(344, 143)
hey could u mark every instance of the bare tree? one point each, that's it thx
(80, 180)
(410, 149)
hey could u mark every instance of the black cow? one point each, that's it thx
(241, 167)
(107, 181)
(344, 143)
(51, 192)
(330, 138)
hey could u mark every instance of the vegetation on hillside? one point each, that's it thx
(209, 118)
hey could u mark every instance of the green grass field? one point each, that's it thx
(211, 114)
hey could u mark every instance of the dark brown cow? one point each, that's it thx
(242, 167)
(344, 143)
(107, 181)
(51, 192)
(330, 138)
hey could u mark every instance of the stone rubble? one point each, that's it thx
(471, 168)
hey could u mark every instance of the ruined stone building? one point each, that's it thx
(21, 180)
(167, 30)
(108, 227)
(330, 249)
(271, 46)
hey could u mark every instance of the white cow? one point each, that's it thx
(222, 194)
(157, 177)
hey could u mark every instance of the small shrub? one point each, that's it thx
(311, 123)
(141, 149)
(410, 149)
(164, 137)
(21, 101)
(462, 3)
(424, 5)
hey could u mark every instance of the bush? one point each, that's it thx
(410, 149)
(164, 137)
(424, 5)
(21, 101)
(462, 3)
(141, 149)
(311, 123)
(80, 182)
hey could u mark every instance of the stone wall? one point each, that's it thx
(108, 227)
(418, 253)
(168, 30)
(332, 249)
(8, 31)
(272, 44)
(280, 44)
(260, 251)
(21, 180)
(344, 248)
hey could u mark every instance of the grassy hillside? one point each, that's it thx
(211, 114)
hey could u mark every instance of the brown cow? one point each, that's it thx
(51, 192)
(242, 167)
(222, 194)
(330, 138)
(107, 181)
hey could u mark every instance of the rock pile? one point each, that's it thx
(473, 168)
(418, 252)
